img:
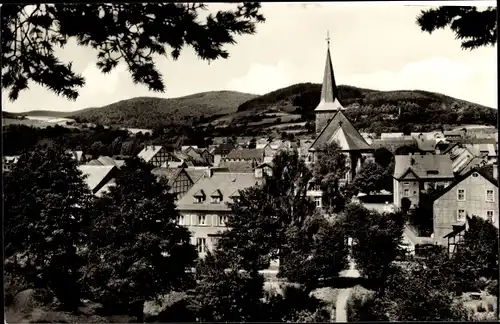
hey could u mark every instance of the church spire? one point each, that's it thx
(329, 101)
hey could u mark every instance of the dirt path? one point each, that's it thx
(343, 296)
(340, 307)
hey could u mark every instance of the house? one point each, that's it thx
(98, 175)
(474, 193)
(304, 146)
(203, 209)
(106, 160)
(79, 156)
(466, 156)
(157, 155)
(415, 174)
(178, 180)
(220, 152)
(9, 161)
(261, 143)
(392, 143)
(246, 155)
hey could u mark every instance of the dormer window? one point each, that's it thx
(235, 196)
(216, 197)
(432, 172)
(199, 197)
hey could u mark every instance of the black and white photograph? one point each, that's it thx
(250, 162)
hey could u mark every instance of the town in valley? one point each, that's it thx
(315, 202)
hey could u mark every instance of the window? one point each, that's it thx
(489, 216)
(180, 220)
(201, 244)
(222, 220)
(461, 215)
(215, 241)
(317, 200)
(198, 200)
(202, 220)
(461, 195)
(216, 200)
(406, 193)
(489, 195)
(406, 184)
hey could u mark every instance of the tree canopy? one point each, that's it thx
(137, 251)
(130, 33)
(45, 204)
(474, 27)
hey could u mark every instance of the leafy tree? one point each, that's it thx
(226, 294)
(330, 168)
(97, 149)
(477, 256)
(474, 27)
(370, 178)
(383, 157)
(128, 33)
(137, 251)
(45, 204)
(261, 217)
(377, 239)
(417, 295)
(295, 304)
(315, 251)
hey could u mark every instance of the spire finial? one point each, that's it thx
(328, 37)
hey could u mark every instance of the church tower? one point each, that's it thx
(329, 103)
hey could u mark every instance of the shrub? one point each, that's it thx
(491, 308)
(492, 288)
(481, 308)
(360, 305)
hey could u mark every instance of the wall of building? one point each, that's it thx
(208, 231)
(446, 207)
(413, 188)
(181, 185)
(322, 119)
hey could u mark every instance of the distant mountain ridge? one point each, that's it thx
(295, 103)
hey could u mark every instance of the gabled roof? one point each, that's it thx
(238, 166)
(329, 100)
(226, 182)
(170, 174)
(148, 152)
(195, 174)
(199, 193)
(426, 145)
(223, 148)
(421, 164)
(485, 171)
(236, 193)
(341, 130)
(105, 188)
(95, 174)
(246, 154)
(216, 193)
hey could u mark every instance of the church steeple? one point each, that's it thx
(329, 101)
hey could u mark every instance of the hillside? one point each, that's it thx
(150, 112)
(369, 110)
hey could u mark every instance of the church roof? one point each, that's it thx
(329, 100)
(341, 130)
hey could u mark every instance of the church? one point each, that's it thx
(332, 125)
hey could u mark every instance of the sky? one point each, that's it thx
(373, 45)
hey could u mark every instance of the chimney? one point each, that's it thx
(495, 171)
(209, 172)
(412, 161)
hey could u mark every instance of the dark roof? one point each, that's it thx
(223, 148)
(238, 166)
(246, 154)
(439, 166)
(170, 174)
(486, 171)
(456, 230)
(341, 130)
(426, 145)
(329, 99)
